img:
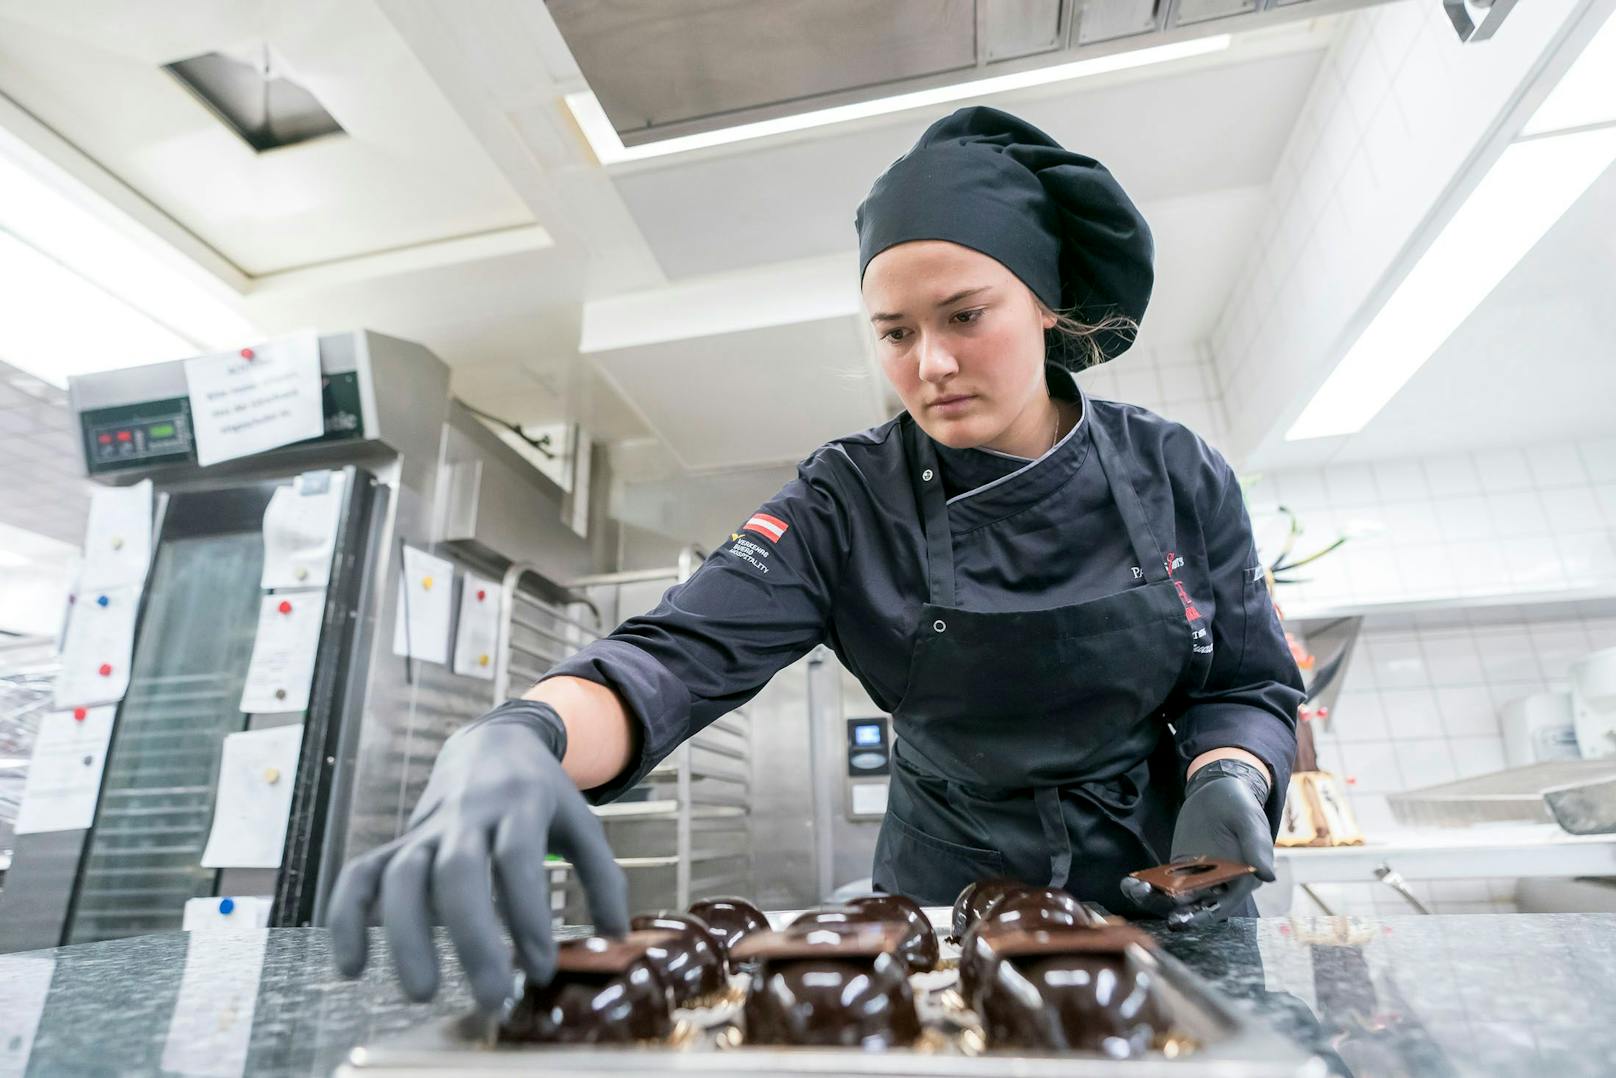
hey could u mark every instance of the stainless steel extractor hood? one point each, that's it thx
(666, 68)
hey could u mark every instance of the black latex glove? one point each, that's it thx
(496, 801)
(1222, 817)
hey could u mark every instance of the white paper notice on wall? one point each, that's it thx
(117, 539)
(227, 912)
(64, 774)
(256, 399)
(256, 776)
(477, 632)
(23, 991)
(425, 594)
(213, 1014)
(282, 666)
(300, 531)
(97, 647)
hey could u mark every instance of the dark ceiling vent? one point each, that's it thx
(265, 108)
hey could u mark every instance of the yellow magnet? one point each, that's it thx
(482, 660)
(272, 775)
(426, 582)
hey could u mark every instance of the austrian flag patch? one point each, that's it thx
(771, 528)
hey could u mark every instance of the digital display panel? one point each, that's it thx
(867, 734)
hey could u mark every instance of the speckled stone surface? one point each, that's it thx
(1487, 995)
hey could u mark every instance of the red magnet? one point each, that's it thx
(285, 607)
(481, 595)
(80, 713)
(246, 353)
(106, 670)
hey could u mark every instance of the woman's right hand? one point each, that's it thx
(496, 803)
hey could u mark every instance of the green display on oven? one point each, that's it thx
(160, 430)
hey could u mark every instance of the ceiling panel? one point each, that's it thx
(753, 397)
(406, 172)
(1532, 364)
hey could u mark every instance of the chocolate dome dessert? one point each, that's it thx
(730, 920)
(917, 946)
(920, 951)
(1069, 990)
(605, 991)
(690, 964)
(976, 898)
(830, 983)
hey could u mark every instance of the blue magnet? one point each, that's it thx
(227, 906)
(102, 600)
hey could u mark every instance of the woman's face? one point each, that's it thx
(960, 338)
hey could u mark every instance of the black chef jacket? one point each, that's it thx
(838, 557)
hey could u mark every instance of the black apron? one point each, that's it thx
(1033, 743)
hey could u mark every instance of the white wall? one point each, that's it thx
(1421, 704)
(1518, 522)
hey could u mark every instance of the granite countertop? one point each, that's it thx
(1442, 995)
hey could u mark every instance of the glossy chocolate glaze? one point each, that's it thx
(1025, 910)
(1094, 1002)
(918, 945)
(604, 992)
(922, 955)
(729, 920)
(690, 963)
(844, 1000)
(976, 898)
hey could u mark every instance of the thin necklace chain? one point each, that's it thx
(1055, 436)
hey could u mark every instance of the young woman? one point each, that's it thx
(1057, 599)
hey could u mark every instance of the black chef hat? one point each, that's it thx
(1058, 220)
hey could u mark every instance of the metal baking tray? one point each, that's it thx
(1226, 1044)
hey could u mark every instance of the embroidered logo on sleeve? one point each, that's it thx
(771, 528)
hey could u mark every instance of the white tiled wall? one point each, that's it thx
(1176, 381)
(1510, 521)
(1420, 705)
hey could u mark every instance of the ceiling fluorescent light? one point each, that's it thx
(609, 149)
(85, 252)
(1527, 190)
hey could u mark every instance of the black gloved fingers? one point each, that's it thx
(1148, 898)
(1257, 850)
(351, 902)
(578, 833)
(520, 843)
(407, 919)
(462, 891)
(1216, 908)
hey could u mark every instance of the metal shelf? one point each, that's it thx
(628, 810)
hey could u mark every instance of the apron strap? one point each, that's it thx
(1056, 836)
(1126, 498)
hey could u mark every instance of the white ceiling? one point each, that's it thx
(1534, 363)
(465, 210)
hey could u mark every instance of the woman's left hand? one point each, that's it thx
(1223, 818)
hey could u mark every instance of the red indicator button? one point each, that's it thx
(124, 436)
(246, 353)
(285, 607)
(481, 595)
(104, 439)
(106, 670)
(80, 714)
